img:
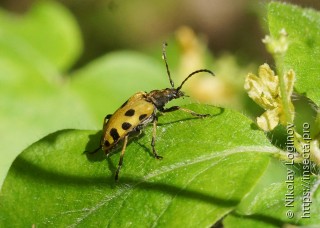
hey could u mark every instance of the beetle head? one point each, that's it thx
(173, 93)
(161, 97)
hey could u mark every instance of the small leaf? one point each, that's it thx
(209, 165)
(47, 34)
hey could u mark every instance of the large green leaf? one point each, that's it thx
(302, 27)
(209, 165)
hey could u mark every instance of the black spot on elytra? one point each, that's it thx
(141, 117)
(114, 134)
(124, 104)
(106, 143)
(126, 125)
(130, 112)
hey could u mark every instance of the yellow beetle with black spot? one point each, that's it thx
(138, 111)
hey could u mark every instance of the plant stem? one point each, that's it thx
(283, 92)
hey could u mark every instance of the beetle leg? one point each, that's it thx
(116, 177)
(136, 132)
(175, 108)
(101, 140)
(107, 117)
(153, 141)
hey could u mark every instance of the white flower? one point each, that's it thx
(265, 91)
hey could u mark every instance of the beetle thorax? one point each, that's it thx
(161, 97)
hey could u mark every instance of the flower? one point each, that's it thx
(277, 45)
(265, 91)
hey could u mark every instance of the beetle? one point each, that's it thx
(140, 110)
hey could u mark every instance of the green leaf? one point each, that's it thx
(46, 35)
(303, 54)
(31, 113)
(242, 221)
(280, 191)
(271, 204)
(209, 165)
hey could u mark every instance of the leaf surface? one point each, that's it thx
(209, 165)
(302, 27)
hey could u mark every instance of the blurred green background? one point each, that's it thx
(66, 64)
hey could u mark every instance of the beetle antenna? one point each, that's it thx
(164, 57)
(193, 73)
